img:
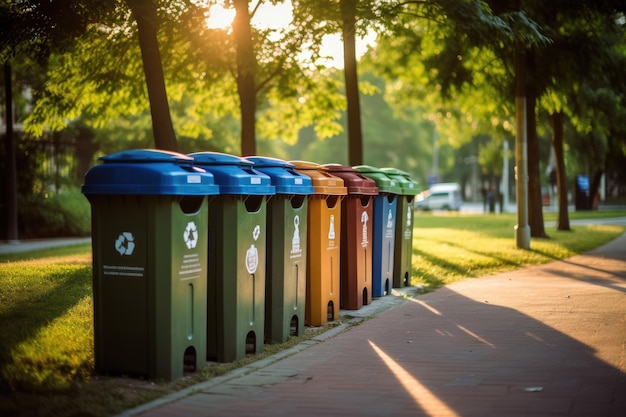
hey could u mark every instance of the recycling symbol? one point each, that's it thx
(125, 243)
(191, 235)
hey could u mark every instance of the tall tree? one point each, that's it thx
(355, 135)
(145, 14)
(246, 76)
(561, 175)
(350, 18)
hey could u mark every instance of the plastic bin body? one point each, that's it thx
(384, 225)
(149, 220)
(356, 237)
(324, 240)
(237, 257)
(285, 279)
(403, 247)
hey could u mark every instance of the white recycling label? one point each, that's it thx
(125, 243)
(252, 254)
(190, 235)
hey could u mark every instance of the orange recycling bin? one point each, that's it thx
(356, 236)
(323, 244)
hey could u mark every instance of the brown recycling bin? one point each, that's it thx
(356, 236)
(323, 247)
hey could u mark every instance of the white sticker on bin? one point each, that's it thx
(298, 181)
(255, 180)
(194, 179)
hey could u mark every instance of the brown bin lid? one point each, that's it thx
(353, 180)
(323, 182)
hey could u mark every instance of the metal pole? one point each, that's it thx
(522, 229)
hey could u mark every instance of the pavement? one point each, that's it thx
(544, 340)
(28, 245)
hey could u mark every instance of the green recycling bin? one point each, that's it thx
(385, 204)
(149, 236)
(403, 247)
(237, 257)
(285, 277)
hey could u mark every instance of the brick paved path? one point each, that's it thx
(546, 340)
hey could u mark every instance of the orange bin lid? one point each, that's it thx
(323, 182)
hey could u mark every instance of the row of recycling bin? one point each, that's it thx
(207, 256)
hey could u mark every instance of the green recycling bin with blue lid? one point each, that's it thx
(285, 279)
(237, 256)
(403, 247)
(149, 220)
(384, 225)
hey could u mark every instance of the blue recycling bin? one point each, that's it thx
(285, 277)
(403, 247)
(149, 219)
(237, 257)
(384, 224)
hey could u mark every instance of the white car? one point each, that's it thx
(446, 196)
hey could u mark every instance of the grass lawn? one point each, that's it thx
(46, 317)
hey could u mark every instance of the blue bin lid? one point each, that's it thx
(148, 172)
(233, 174)
(283, 175)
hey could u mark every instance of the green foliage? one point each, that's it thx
(401, 139)
(66, 213)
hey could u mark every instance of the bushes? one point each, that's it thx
(44, 215)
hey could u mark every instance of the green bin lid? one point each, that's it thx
(383, 181)
(409, 186)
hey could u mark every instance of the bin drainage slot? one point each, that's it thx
(189, 360)
(387, 288)
(364, 296)
(293, 326)
(253, 203)
(250, 343)
(191, 204)
(406, 279)
(330, 313)
(297, 201)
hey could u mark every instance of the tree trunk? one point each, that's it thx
(246, 72)
(145, 15)
(561, 176)
(355, 135)
(594, 188)
(10, 174)
(535, 205)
